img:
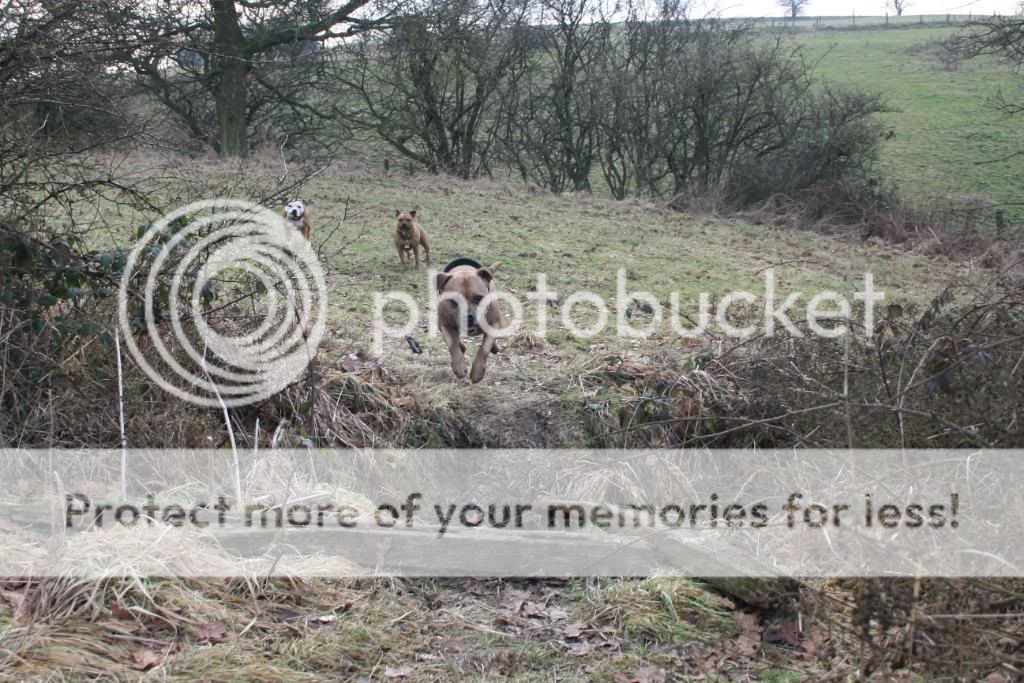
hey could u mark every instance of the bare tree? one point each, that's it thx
(565, 106)
(793, 8)
(213, 64)
(57, 98)
(697, 109)
(431, 86)
(898, 6)
(662, 104)
(638, 116)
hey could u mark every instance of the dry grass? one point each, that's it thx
(409, 630)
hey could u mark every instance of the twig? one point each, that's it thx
(231, 433)
(284, 161)
(846, 375)
(120, 410)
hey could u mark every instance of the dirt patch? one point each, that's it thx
(488, 421)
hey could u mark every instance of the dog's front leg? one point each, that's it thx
(480, 360)
(401, 255)
(457, 350)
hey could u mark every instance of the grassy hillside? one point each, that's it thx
(944, 125)
(943, 128)
(578, 242)
(581, 241)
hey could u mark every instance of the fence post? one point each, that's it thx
(886, 18)
(854, 17)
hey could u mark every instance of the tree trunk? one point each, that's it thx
(232, 89)
(232, 109)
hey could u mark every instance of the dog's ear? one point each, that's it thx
(488, 272)
(413, 213)
(441, 279)
(398, 212)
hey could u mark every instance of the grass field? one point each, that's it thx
(944, 125)
(943, 129)
(579, 242)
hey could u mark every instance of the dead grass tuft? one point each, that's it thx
(661, 610)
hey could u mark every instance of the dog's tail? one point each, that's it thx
(462, 261)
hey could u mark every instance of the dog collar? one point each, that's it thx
(461, 261)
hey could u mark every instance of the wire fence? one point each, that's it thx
(853, 21)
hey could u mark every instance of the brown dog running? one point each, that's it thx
(463, 286)
(410, 236)
(296, 215)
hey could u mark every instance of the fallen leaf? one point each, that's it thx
(783, 631)
(517, 595)
(121, 612)
(397, 671)
(509, 619)
(580, 648)
(645, 674)
(574, 630)
(816, 643)
(326, 618)
(749, 625)
(515, 606)
(746, 646)
(211, 632)
(997, 677)
(557, 613)
(145, 660)
(533, 609)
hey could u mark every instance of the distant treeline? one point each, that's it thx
(572, 95)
